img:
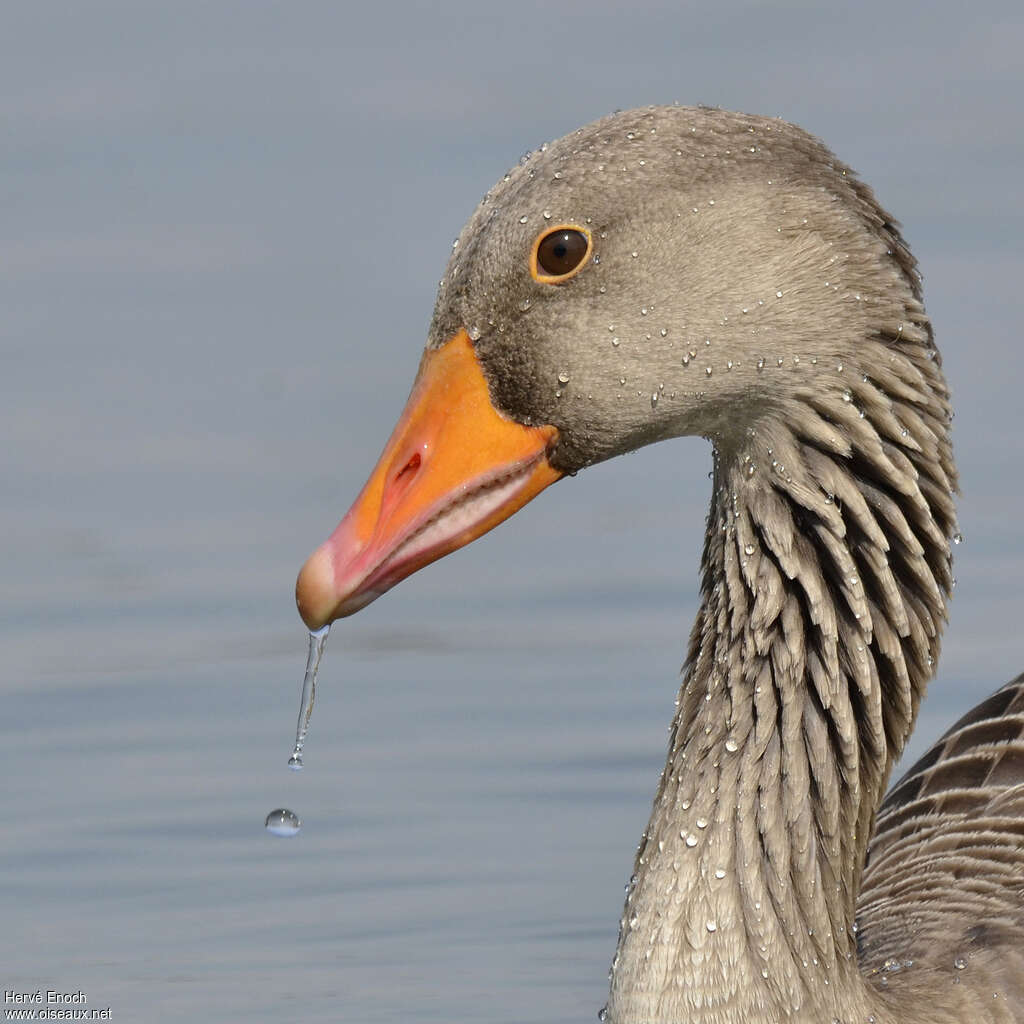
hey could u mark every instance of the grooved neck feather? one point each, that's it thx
(826, 570)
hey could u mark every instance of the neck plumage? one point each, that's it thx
(826, 571)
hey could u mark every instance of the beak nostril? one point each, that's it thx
(410, 467)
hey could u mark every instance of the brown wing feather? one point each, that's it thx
(944, 881)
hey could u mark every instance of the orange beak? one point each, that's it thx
(453, 469)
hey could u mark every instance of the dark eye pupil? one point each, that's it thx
(561, 252)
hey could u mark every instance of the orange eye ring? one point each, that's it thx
(560, 253)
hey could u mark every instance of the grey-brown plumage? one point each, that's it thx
(745, 286)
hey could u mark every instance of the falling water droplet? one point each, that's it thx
(282, 822)
(317, 643)
(958, 538)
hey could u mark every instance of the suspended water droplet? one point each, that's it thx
(691, 840)
(760, 364)
(317, 643)
(719, 872)
(547, 215)
(960, 963)
(524, 305)
(712, 926)
(563, 377)
(282, 822)
(701, 823)
(523, 219)
(748, 549)
(474, 333)
(707, 370)
(731, 745)
(958, 538)
(602, 1014)
(654, 399)
(778, 295)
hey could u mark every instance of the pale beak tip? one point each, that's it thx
(315, 592)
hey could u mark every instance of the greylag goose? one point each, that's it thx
(674, 271)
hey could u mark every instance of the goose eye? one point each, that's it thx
(560, 253)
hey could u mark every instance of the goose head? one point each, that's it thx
(661, 272)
